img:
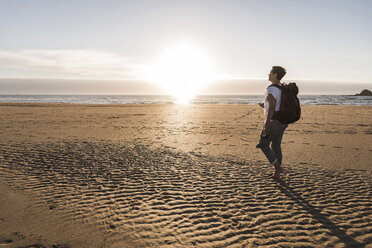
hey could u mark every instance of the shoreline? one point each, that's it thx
(198, 100)
(157, 104)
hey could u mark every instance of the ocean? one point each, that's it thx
(164, 99)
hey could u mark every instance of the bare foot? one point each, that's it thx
(277, 172)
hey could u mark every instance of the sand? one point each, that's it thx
(74, 175)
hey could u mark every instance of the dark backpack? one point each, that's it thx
(290, 110)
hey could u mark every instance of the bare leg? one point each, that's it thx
(278, 170)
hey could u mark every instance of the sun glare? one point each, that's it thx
(181, 71)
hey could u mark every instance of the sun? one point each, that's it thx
(181, 71)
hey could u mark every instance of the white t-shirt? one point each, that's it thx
(277, 94)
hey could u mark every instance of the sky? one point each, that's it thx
(326, 45)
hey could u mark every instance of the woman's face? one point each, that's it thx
(272, 76)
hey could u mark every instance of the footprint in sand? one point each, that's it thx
(5, 242)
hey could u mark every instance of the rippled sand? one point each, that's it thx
(174, 176)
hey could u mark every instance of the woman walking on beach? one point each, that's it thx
(273, 130)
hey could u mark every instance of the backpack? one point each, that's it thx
(289, 110)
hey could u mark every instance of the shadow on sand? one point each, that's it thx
(316, 214)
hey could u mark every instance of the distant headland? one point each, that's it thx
(365, 93)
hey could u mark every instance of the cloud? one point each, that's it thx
(85, 63)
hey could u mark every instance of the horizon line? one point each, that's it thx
(165, 95)
(147, 80)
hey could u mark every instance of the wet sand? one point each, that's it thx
(182, 176)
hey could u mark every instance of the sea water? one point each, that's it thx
(165, 99)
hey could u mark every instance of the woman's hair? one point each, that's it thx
(280, 71)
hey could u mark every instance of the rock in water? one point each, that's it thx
(365, 93)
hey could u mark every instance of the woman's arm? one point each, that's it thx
(272, 104)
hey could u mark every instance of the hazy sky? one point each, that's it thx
(315, 40)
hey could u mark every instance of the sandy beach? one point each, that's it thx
(75, 175)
